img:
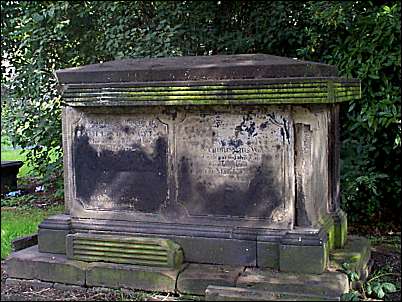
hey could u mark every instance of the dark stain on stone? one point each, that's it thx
(286, 128)
(172, 112)
(272, 116)
(236, 143)
(185, 180)
(301, 215)
(247, 125)
(283, 124)
(264, 125)
(132, 179)
(283, 135)
(259, 200)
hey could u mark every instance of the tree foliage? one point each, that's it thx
(361, 38)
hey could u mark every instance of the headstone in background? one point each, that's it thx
(9, 172)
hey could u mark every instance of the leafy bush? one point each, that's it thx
(361, 37)
(376, 286)
(363, 40)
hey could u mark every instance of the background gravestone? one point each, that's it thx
(9, 172)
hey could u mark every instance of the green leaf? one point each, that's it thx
(350, 296)
(380, 293)
(389, 287)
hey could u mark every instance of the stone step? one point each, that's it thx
(328, 284)
(29, 263)
(225, 293)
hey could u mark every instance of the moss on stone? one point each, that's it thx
(137, 277)
(341, 226)
(275, 93)
(356, 252)
(328, 224)
(304, 259)
(124, 250)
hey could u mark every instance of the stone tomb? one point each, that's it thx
(193, 168)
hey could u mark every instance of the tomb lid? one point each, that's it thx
(195, 68)
(205, 80)
(11, 163)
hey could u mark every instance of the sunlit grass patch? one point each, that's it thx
(21, 222)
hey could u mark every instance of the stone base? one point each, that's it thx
(356, 253)
(223, 282)
(31, 264)
(196, 277)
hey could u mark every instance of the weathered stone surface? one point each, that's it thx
(124, 249)
(303, 259)
(218, 293)
(304, 250)
(328, 225)
(235, 163)
(356, 252)
(311, 164)
(140, 171)
(268, 254)
(200, 245)
(334, 148)
(218, 251)
(128, 155)
(341, 228)
(196, 277)
(31, 264)
(327, 284)
(52, 234)
(52, 241)
(24, 242)
(244, 66)
(222, 178)
(131, 276)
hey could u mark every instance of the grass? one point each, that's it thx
(21, 222)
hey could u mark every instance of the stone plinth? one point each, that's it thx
(234, 159)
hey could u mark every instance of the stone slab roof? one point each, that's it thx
(195, 68)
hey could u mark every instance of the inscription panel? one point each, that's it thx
(235, 163)
(120, 161)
